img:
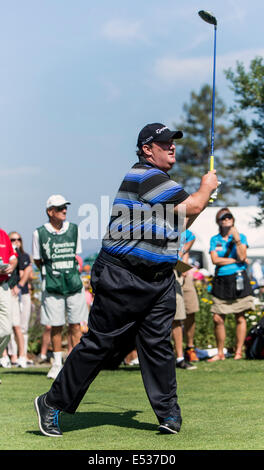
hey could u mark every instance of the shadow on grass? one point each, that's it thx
(93, 419)
(26, 372)
(39, 371)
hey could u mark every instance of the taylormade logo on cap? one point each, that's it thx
(159, 131)
(56, 200)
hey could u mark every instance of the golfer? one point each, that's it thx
(134, 286)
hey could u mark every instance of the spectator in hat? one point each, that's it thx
(55, 245)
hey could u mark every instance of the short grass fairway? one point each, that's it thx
(222, 408)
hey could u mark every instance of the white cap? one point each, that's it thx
(56, 200)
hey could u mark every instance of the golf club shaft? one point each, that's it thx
(213, 106)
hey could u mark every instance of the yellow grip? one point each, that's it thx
(211, 168)
(211, 162)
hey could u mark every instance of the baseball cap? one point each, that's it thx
(156, 132)
(56, 200)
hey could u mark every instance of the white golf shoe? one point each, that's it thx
(54, 371)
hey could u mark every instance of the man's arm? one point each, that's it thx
(36, 251)
(198, 201)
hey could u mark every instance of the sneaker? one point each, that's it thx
(5, 362)
(30, 362)
(185, 365)
(54, 371)
(42, 359)
(190, 355)
(48, 417)
(22, 362)
(170, 425)
(133, 362)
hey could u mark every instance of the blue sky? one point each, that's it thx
(79, 79)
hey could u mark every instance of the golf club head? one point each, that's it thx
(208, 17)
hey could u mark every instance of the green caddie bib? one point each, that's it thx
(58, 253)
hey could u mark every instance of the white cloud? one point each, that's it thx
(119, 29)
(171, 69)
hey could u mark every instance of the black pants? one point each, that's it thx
(125, 307)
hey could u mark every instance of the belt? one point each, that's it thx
(146, 274)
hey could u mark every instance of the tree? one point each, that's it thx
(248, 117)
(193, 152)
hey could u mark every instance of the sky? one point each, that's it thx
(79, 79)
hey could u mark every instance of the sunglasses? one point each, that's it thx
(15, 239)
(60, 208)
(225, 216)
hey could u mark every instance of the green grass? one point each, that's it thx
(222, 408)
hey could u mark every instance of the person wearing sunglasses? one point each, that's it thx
(55, 246)
(134, 286)
(231, 292)
(20, 305)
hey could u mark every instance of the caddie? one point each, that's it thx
(55, 246)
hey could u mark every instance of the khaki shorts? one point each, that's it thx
(190, 297)
(54, 307)
(25, 308)
(15, 310)
(224, 307)
(180, 309)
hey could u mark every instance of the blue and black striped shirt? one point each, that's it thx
(143, 228)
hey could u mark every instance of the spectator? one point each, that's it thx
(8, 263)
(177, 325)
(232, 292)
(55, 245)
(21, 304)
(190, 298)
(184, 304)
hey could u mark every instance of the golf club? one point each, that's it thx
(211, 19)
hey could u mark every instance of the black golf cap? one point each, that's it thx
(156, 132)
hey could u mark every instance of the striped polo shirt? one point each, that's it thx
(143, 228)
